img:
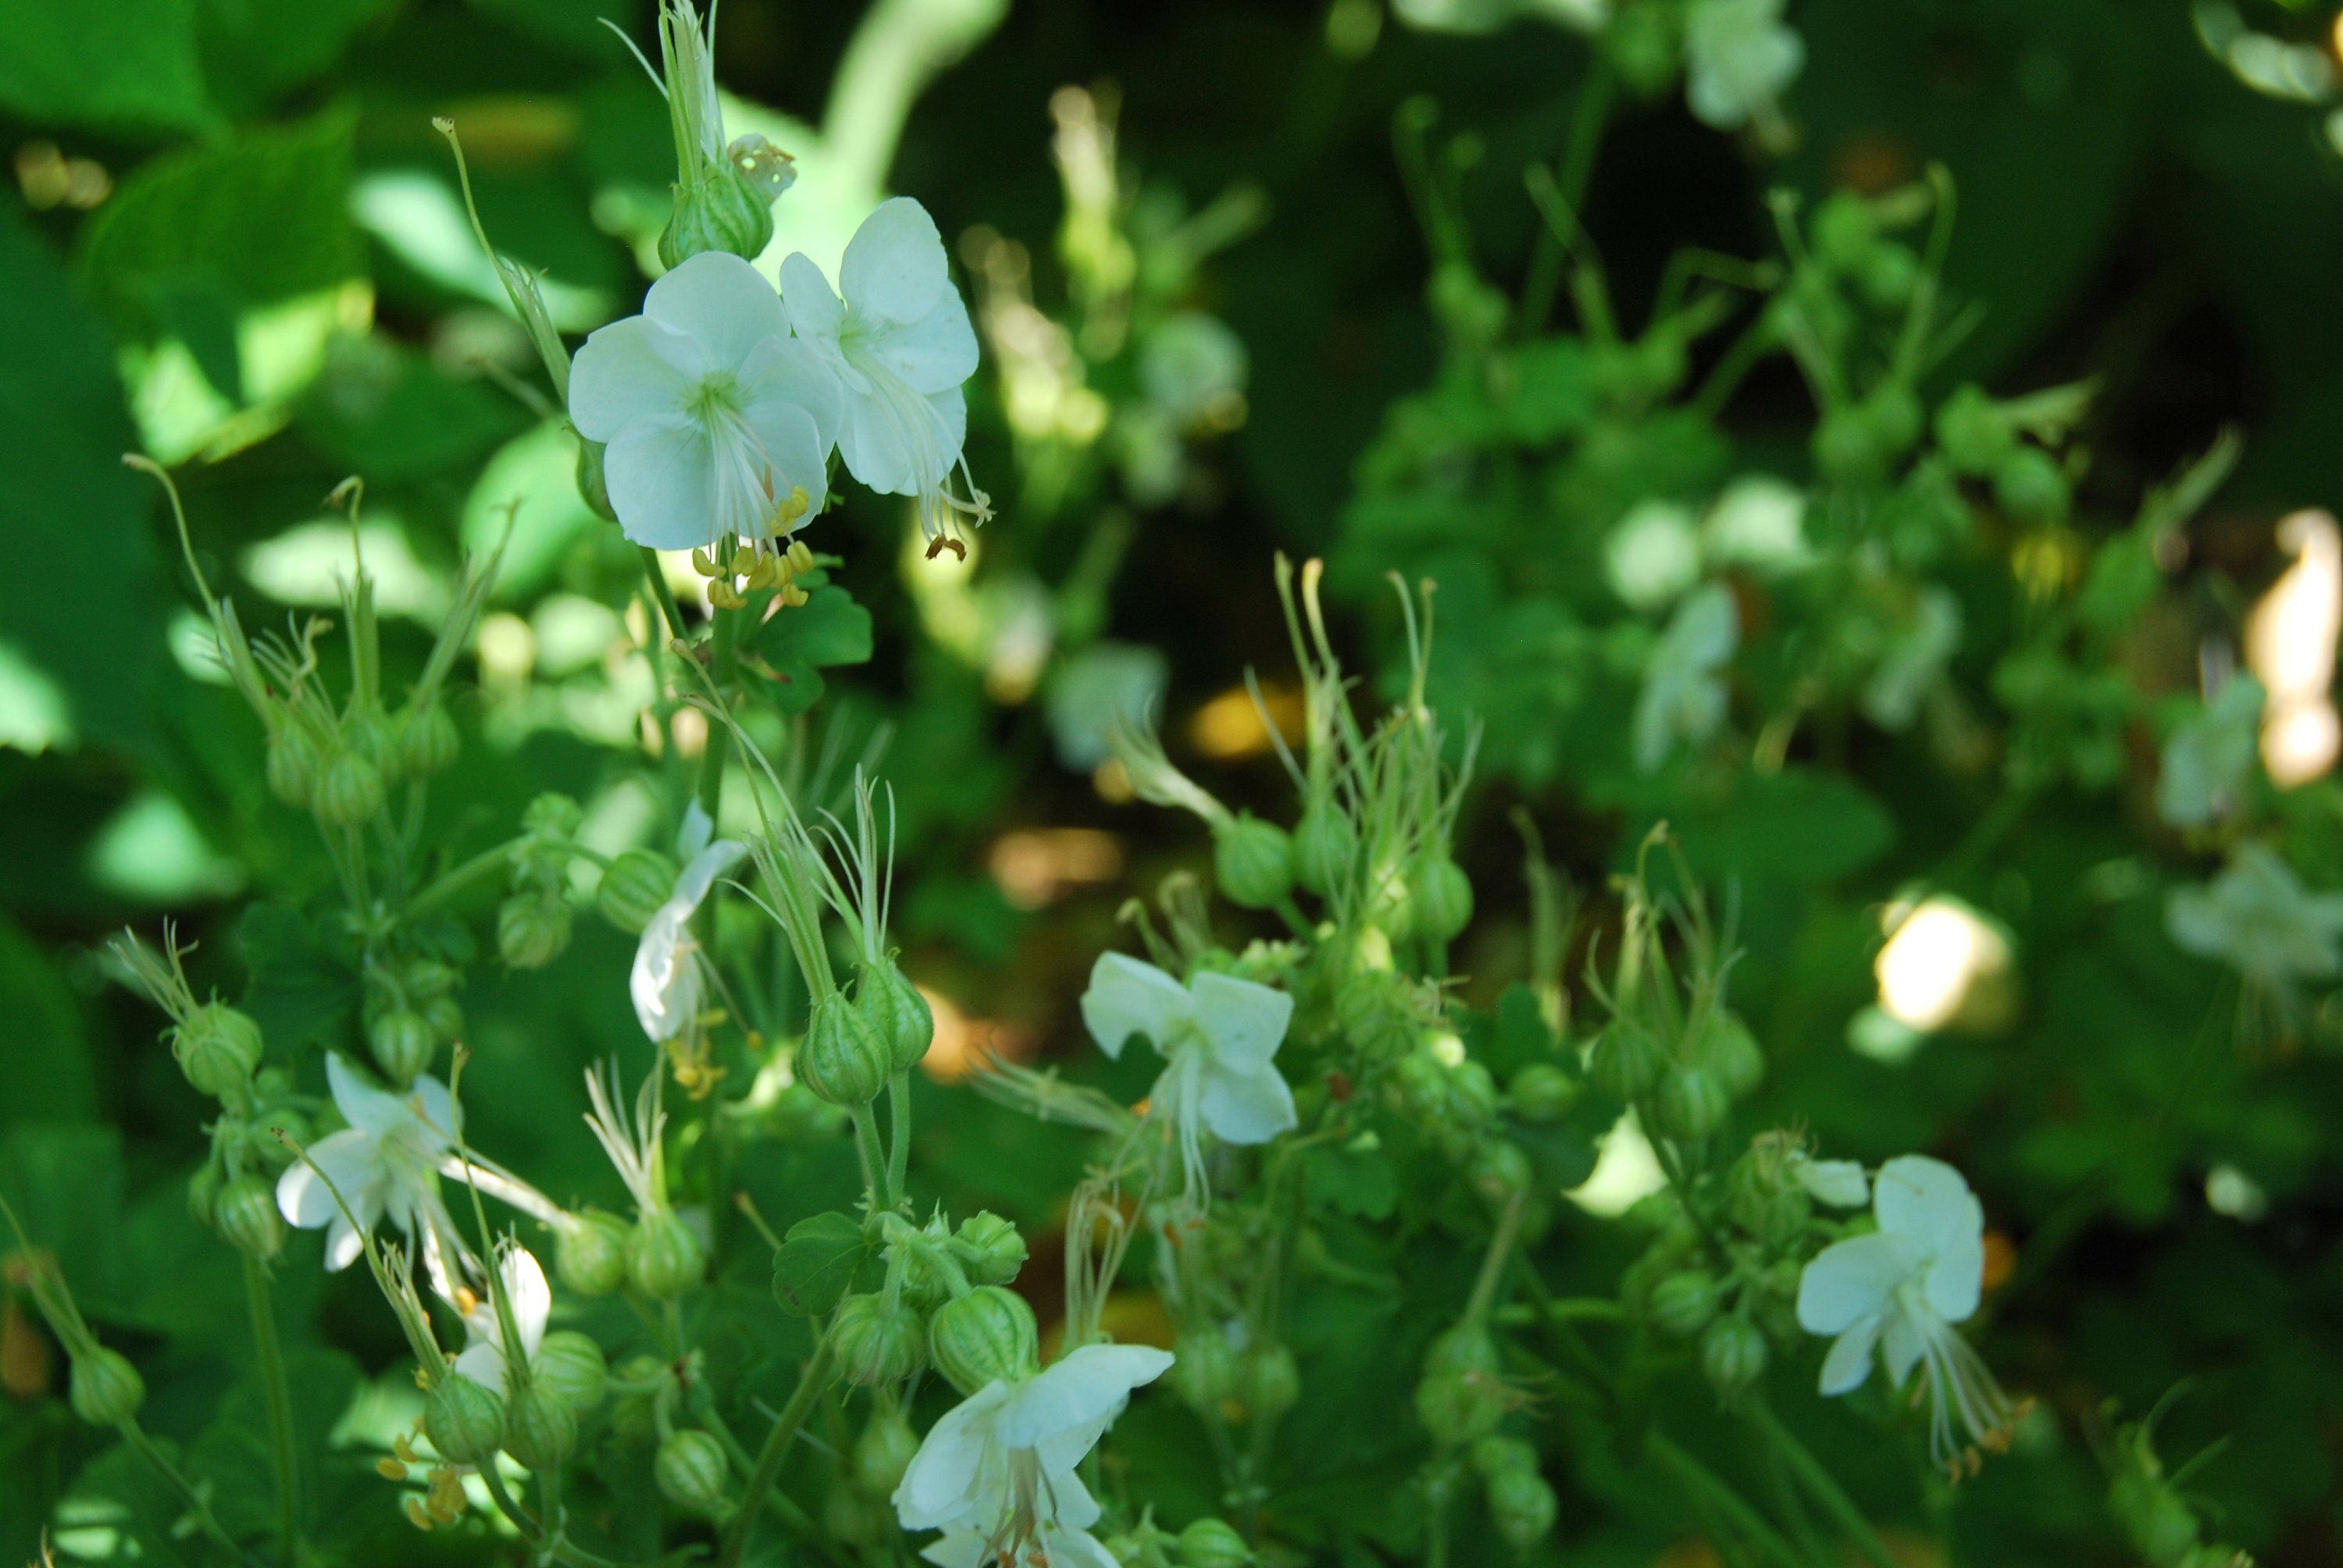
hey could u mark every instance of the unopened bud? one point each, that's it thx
(634, 887)
(690, 1472)
(1541, 1092)
(570, 1365)
(107, 1390)
(1691, 1103)
(1213, 1543)
(532, 930)
(403, 1043)
(203, 1194)
(349, 792)
(876, 1343)
(989, 1248)
(217, 1048)
(293, 765)
(429, 743)
(897, 1013)
(986, 1336)
(635, 1418)
(883, 1453)
(1974, 435)
(464, 1420)
(1499, 1170)
(1441, 896)
(1204, 1373)
(664, 1255)
(248, 1220)
(1463, 1395)
(1522, 1506)
(589, 1253)
(1731, 1354)
(2030, 485)
(263, 1141)
(1684, 1303)
(842, 1058)
(1324, 845)
(553, 816)
(1627, 1061)
(724, 210)
(1729, 1049)
(1272, 1381)
(1253, 861)
(540, 1429)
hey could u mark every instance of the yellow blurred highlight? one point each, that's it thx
(1942, 963)
(691, 729)
(2290, 645)
(508, 648)
(2000, 1259)
(48, 178)
(963, 1044)
(1229, 728)
(1126, 1317)
(1036, 867)
(1111, 780)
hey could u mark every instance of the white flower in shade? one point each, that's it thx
(2258, 917)
(1218, 1036)
(2208, 758)
(1653, 555)
(1900, 1290)
(1914, 660)
(1739, 57)
(668, 981)
(1758, 522)
(1682, 698)
(901, 346)
(1840, 1183)
(715, 417)
(385, 1165)
(532, 1299)
(997, 1473)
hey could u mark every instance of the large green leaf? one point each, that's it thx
(127, 64)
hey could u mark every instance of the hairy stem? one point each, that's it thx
(271, 1362)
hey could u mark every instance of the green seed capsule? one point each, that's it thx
(883, 1453)
(532, 930)
(589, 1253)
(842, 1058)
(636, 883)
(216, 1048)
(690, 1472)
(724, 210)
(107, 1390)
(1522, 1506)
(349, 792)
(464, 1420)
(1253, 861)
(1272, 1381)
(876, 1343)
(986, 1336)
(428, 742)
(1684, 1303)
(1731, 1354)
(1213, 1543)
(1729, 1049)
(1463, 1395)
(570, 1365)
(1499, 1169)
(1441, 896)
(664, 1256)
(1205, 1373)
(897, 1013)
(989, 1250)
(248, 1220)
(1691, 1103)
(403, 1043)
(1324, 845)
(203, 1194)
(1491, 1455)
(2029, 484)
(293, 765)
(1627, 1061)
(540, 1428)
(1541, 1092)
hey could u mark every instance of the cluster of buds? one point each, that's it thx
(533, 922)
(1206, 1543)
(410, 1011)
(736, 569)
(2163, 1525)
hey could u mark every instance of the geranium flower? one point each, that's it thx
(1739, 57)
(997, 1473)
(1900, 1290)
(384, 1164)
(1218, 1036)
(901, 346)
(1683, 700)
(483, 1360)
(667, 983)
(719, 424)
(2258, 917)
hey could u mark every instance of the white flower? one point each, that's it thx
(997, 1475)
(2207, 758)
(1900, 1290)
(1653, 555)
(1218, 1035)
(1914, 660)
(1840, 1183)
(2258, 917)
(483, 1360)
(384, 1164)
(667, 983)
(1739, 55)
(901, 346)
(1683, 700)
(1758, 522)
(714, 416)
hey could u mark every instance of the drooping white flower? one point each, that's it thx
(2207, 758)
(1900, 1290)
(901, 346)
(668, 981)
(715, 417)
(997, 1473)
(1739, 57)
(483, 1360)
(1758, 522)
(1653, 555)
(385, 1165)
(2258, 918)
(1683, 700)
(1218, 1036)
(1914, 660)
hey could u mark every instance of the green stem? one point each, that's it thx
(810, 1383)
(866, 1144)
(722, 665)
(899, 1143)
(280, 1409)
(197, 1509)
(451, 883)
(1586, 122)
(662, 595)
(1819, 1481)
(1704, 1486)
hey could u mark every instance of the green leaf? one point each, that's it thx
(127, 64)
(303, 988)
(829, 628)
(1796, 826)
(253, 50)
(1353, 1180)
(818, 1264)
(49, 1077)
(263, 217)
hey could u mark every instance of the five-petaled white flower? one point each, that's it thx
(901, 346)
(531, 1298)
(667, 983)
(1219, 1037)
(384, 1164)
(1739, 57)
(2258, 917)
(715, 417)
(1900, 1290)
(996, 1474)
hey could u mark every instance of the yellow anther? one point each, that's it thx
(785, 514)
(390, 1469)
(723, 595)
(794, 596)
(801, 559)
(405, 1449)
(415, 1513)
(447, 1500)
(422, 1380)
(766, 573)
(701, 564)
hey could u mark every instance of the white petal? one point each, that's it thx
(1901, 1345)
(936, 1486)
(961, 1548)
(343, 1245)
(664, 985)
(814, 309)
(531, 1297)
(1089, 1386)
(1075, 1549)
(435, 1109)
(661, 475)
(1243, 1020)
(362, 1104)
(935, 353)
(794, 456)
(1850, 1361)
(786, 370)
(303, 1197)
(631, 369)
(722, 304)
(1837, 1183)
(1248, 1107)
(692, 835)
(1853, 1279)
(894, 266)
(1929, 1201)
(706, 865)
(879, 450)
(484, 1363)
(1072, 1504)
(1127, 997)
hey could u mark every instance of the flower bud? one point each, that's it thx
(570, 1365)
(1491, 1455)
(2029, 484)
(248, 1220)
(989, 1250)
(1973, 433)
(1522, 1506)
(217, 1048)
(106, 1389)
(1204, 1371)
(349, 791)
(553, 816)
(883, 1453)
(293, 765)
(1843, 232)
(1441, 896)
(690, 1471)
(1691, 1103)
(378, 738)
(842, 1058)
(986, 1336)
(2161, 1524)
(876, 1343)
(589, 1253)
(1889, 276)
(203, 1194)
(1499, 1170)
(531, 929)
(1627, 1061)
(1682, 1305)
(1272, 1380)
(445, 1017)
(664, 1255)
(897, 1013)
(540, 1429)
(635, 1419)
(1764, 1198)
(262, 1142)
(633, 887)
(464, 1420)
(429, 743)
(1541, 1092)
(1731, 1354)
(1729, 1049)
(1472, 1095)
(1253, 861)
(1462, 1395)
(1213, 1543)
(1324, 845)
(403, 1043)
(725, 209)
